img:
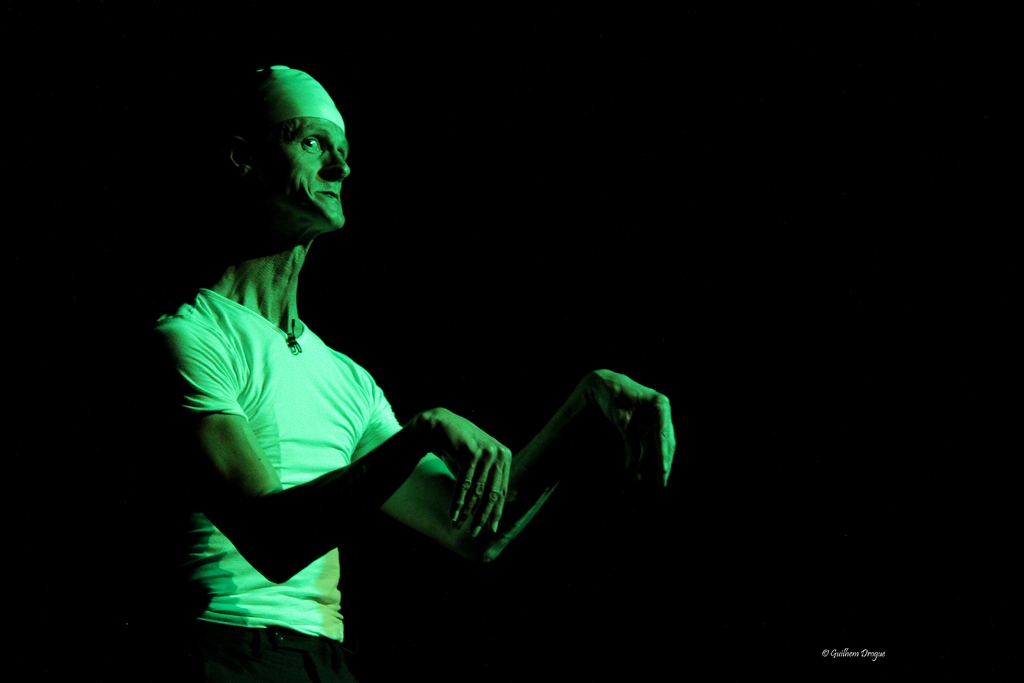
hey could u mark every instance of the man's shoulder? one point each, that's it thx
(182, 317)
(355, 376)
(186, 314)
(351, 366)
(193, 323)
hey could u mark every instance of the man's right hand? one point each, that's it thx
(479, 462)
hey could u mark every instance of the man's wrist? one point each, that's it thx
(422, 427)
(584, 398)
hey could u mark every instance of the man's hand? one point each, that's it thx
(480, 463)
(643, 418)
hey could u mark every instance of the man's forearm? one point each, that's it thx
(540, 465)
(543, 461)
(280, 533)
(634, 417)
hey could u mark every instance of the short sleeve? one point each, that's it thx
(201, 375)
(382, 424)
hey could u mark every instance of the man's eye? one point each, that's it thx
(311, 145)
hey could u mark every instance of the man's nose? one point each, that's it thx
(335, 171)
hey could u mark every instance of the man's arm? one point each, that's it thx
(281, 531)
(641, 415)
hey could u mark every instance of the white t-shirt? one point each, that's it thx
(312, 413)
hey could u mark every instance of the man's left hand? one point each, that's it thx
(643, 418)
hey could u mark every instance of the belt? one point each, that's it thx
(274, 636)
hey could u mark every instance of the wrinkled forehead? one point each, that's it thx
(284, 94)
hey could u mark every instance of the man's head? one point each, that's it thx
(294, 160)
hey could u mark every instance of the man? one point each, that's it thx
(294, 442)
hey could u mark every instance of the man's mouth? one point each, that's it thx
(330, 194)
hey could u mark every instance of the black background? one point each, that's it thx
(796, 224)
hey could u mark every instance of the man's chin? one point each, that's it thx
(328, 218)
(334, 223)
(322, 227)
(300, 223)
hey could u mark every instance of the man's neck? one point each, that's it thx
(267, 285)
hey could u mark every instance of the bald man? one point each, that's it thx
(291, 443)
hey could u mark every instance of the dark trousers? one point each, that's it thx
(230, 654)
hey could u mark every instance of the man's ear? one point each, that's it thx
(239, 154)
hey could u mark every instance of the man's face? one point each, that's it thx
(301, 174)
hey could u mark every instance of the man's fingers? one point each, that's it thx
(484, 473)
(668, 442)
(491, 495)
(469, 509)
(499, 489)
(653, 465)
(657, 443)
(666, 439)
(495, 490)
(459, 499)
(462, 488)
(499, 507)
(476, 499)
(481, 499)
(475, 485)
